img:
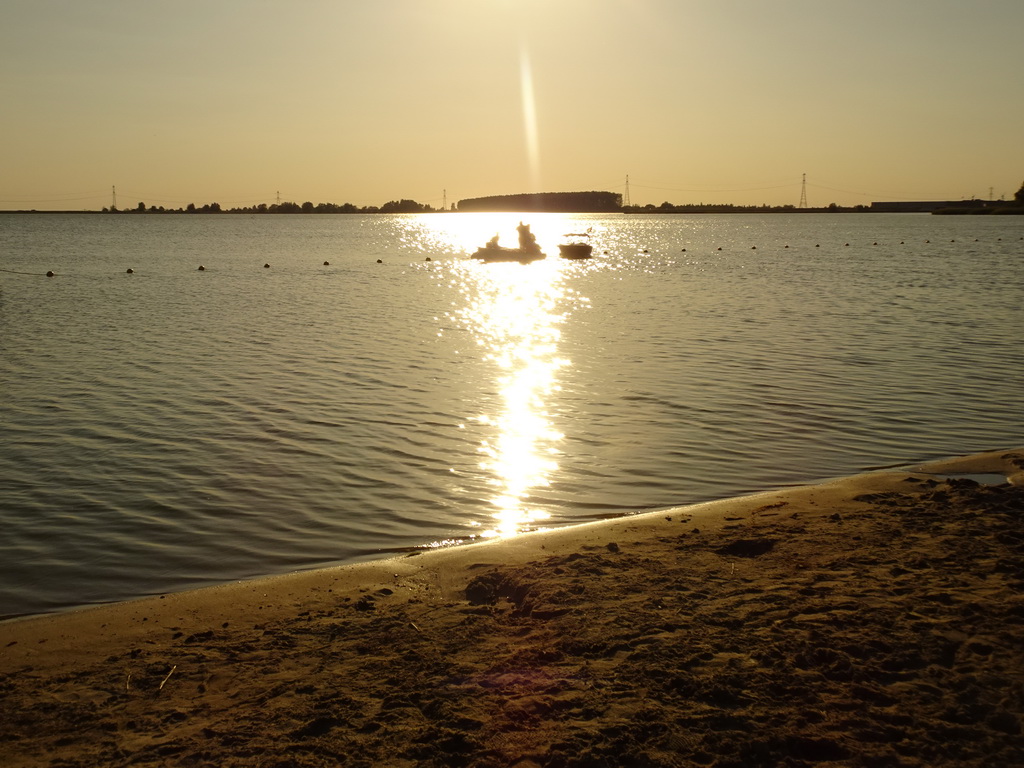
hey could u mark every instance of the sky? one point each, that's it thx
(366, 101)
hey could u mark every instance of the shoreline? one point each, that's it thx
(874, 617)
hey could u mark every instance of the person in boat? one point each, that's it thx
(527, 240)
(493, 242)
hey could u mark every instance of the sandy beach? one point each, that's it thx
(871, 621)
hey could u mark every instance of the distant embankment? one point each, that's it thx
(552, 202)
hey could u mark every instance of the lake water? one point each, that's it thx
(174, 428)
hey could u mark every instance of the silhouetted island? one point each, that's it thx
(546, 202)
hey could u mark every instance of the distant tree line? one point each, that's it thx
(570, 202)
(668, 207)
(392, 206)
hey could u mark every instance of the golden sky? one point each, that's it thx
(367, 101)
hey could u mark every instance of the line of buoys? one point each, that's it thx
(200, 268)
(818, 245)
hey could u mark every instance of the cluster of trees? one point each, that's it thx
(392, 206)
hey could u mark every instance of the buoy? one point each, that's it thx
(327, 263)
(266, 266)
(380, 261)
(846, 245)
(927, 241)
(131, 271)
(49, 274)
(202, 268)
(427, 259)
(817, 245)
(719, 247)
(874, 243)
(787, 246)
(684, 250)
(753, 247)
(646, 251)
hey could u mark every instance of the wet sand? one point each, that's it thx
(873, 621)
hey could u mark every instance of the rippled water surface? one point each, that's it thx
(173, 427)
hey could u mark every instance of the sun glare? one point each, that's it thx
(529, 117)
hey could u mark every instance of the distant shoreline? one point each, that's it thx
(1003, 210)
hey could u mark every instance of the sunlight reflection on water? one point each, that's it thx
(513, 313)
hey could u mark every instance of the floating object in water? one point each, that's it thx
(684, 250)
(380, 261)
(327, 263)
(817, 245)
(753, 247)
(846, 245)
(49, 274)
(130, 271)
(266, 266)
(719, 247)
(427, 259)
(202, 268)
(787, 246)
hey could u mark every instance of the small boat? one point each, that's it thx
(576, 250)
(527, 251)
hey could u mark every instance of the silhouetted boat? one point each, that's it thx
(575, 250)
(527, 251)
